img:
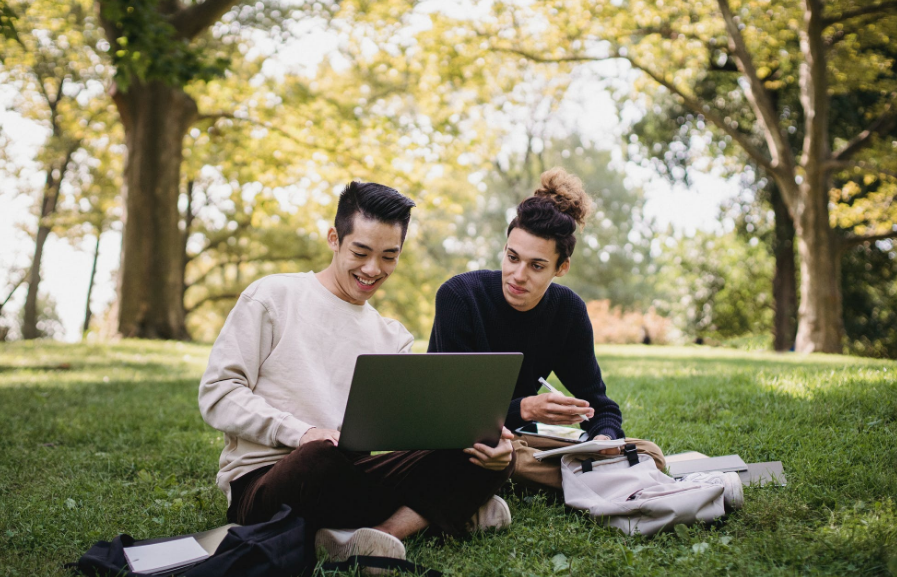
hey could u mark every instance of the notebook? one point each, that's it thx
(165, 556)
(725, 464)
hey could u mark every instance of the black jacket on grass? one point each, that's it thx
(472, 315)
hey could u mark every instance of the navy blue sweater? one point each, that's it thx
(472, 315)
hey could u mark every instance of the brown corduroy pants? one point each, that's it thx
(334, 489)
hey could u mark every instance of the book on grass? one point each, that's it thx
(592, 446)
(165, 556)
(726, 463)
(763, 474)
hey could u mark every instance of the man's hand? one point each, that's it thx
(555, 409)
(494, 458)
(316, 434)
(610, 452)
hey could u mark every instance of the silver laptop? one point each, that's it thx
(430, 401)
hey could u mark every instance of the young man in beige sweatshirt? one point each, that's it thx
(277, 384)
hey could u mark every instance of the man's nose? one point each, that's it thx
(519, 273)
(371, 268)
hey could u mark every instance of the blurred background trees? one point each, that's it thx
(213, 137)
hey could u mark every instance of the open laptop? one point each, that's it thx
(429, 401)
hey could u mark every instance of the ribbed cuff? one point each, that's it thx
(290, 431)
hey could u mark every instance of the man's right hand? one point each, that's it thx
(317, 434)
(555, 409)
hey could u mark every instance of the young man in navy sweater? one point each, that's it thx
(520, 309)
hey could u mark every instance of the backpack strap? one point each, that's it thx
(381, 563)
(631, 454)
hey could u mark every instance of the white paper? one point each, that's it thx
(163, 556)
(592, 446)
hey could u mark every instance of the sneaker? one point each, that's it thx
(340, 544)
(733, 490)
(495, 514)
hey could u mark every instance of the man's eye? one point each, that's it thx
(512, 258)
(389, 258)
(538, 266)
(358, 255)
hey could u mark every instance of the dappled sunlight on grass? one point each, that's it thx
(50, 364)
(107, 438)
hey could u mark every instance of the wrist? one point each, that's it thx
(525, 413)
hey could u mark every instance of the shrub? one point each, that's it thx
(613, 325)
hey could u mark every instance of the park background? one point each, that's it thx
(157, 156)
(733, 182)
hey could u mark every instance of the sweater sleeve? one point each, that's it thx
(226, 398)
(452, 326)
(578, 370)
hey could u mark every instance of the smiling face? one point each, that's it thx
(529, 264)
(363, 260)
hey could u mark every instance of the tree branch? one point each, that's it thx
(757, 95)
(191, 21)
(852, 240)
(691, 103)
(873, 9)
(862, 165)
(279, 130)
(211, 298)
(15, 287)
(883, 123)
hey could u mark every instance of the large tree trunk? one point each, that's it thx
(820, 323)
(156, 118)
(784, 283)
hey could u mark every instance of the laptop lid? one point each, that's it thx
(428, 401)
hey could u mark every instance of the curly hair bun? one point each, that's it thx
(566, 192)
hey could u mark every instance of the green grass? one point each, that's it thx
(103, 439)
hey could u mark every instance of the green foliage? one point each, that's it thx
(869, 285)
(715, 286)
(7, 25)
(105, 439)
(148, 48)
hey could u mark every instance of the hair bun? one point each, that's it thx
(566, 192)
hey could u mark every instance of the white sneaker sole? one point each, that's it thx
(494, 515)
(342, 544)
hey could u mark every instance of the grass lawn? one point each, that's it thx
(103, 439)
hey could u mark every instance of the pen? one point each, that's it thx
(553, 390)
(547, 386)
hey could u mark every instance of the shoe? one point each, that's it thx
(340, 544)
(494, 514)
(733, 489)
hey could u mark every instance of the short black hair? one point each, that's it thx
(373, 201)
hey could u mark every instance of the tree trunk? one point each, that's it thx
(156, 118)
(784, 283)
(29, 328)
(48, 207)
(820, 323)
(93, 274)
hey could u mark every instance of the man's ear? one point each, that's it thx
(333, 239)
(564, 269)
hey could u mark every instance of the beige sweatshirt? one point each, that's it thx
(283, 363)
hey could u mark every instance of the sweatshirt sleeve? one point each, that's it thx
(452, 327)
(226, 398)
(578, 370)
